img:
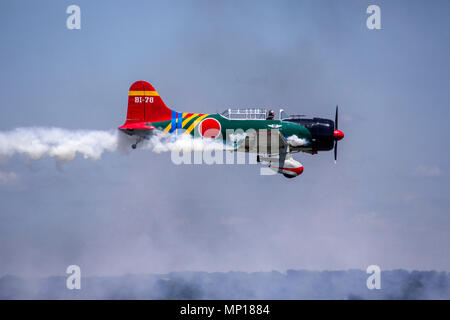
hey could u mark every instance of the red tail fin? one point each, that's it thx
(145, 104)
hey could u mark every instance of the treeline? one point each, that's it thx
(350, 284)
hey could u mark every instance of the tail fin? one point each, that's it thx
(145, 104)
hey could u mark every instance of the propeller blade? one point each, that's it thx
(335, 152)
(336, 119)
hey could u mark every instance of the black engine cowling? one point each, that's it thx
(322, 131)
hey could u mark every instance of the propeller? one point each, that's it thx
(338, 134)
(335, 151)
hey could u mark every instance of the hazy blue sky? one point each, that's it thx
(386, 201)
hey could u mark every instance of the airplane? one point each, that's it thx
(147, 114)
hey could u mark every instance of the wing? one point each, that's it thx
(271, 145)
(262, 142)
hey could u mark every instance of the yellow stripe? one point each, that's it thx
(188, 119)
(196, 122)
(168, 127)
(143, 93)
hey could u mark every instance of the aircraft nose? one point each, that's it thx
(338, 135)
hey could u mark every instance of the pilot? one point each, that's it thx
(270, 115)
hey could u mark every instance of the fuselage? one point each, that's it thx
(317, 133)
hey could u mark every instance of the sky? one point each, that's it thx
(385, 202)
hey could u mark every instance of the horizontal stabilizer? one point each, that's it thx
(136, 126)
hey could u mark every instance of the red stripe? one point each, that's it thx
(298, 170)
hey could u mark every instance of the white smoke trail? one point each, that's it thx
(162, 142)
(64, 144)
(58, 143)
(295, 141)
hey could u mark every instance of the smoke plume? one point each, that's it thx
(64, 145)
(162, 142)
(57, 143)
(296, 141)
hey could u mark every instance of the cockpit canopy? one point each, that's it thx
(245, 114)
(256, 114)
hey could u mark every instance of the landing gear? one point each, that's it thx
(134, 145)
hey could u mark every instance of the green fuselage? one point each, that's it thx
(190, 124)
